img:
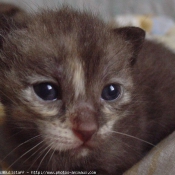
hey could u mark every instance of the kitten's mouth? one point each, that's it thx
(83, 149)
(74, 147)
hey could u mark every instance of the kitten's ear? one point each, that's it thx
(134, 35)
(11, 17)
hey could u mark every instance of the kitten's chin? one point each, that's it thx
(79, 152)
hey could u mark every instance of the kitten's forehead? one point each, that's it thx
(77, 48)
(75, 69)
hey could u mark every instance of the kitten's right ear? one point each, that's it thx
(134, 36)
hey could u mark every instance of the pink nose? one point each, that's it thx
(85, 134)
(83, 120)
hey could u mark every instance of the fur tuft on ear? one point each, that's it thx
(135, 36)
(11, 17)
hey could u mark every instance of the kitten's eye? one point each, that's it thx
(111, 92)
(47, 91)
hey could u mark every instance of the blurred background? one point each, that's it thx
(107, 8)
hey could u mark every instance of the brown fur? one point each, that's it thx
(53, 45)
(9, 14)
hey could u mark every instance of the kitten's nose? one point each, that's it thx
(83, 120)
(85, 131)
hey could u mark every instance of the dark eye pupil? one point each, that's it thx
(46, 91)
(111, 92)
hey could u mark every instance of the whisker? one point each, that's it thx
(51, 157)
(34, 153)
(40, 154)
(24, 154)
(8, 97)
(127, 135)
(20, 146)
(45, 155)
(13, 135)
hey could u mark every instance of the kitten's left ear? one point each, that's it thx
(11, 17)
(134, 35)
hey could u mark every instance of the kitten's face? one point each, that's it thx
(67, 79)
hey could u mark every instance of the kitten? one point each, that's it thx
(80, 96)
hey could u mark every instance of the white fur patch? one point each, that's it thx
(78, 77)
(107, 128)
(126, 98)
(84, 152)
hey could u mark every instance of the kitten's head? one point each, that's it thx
(66, 82)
